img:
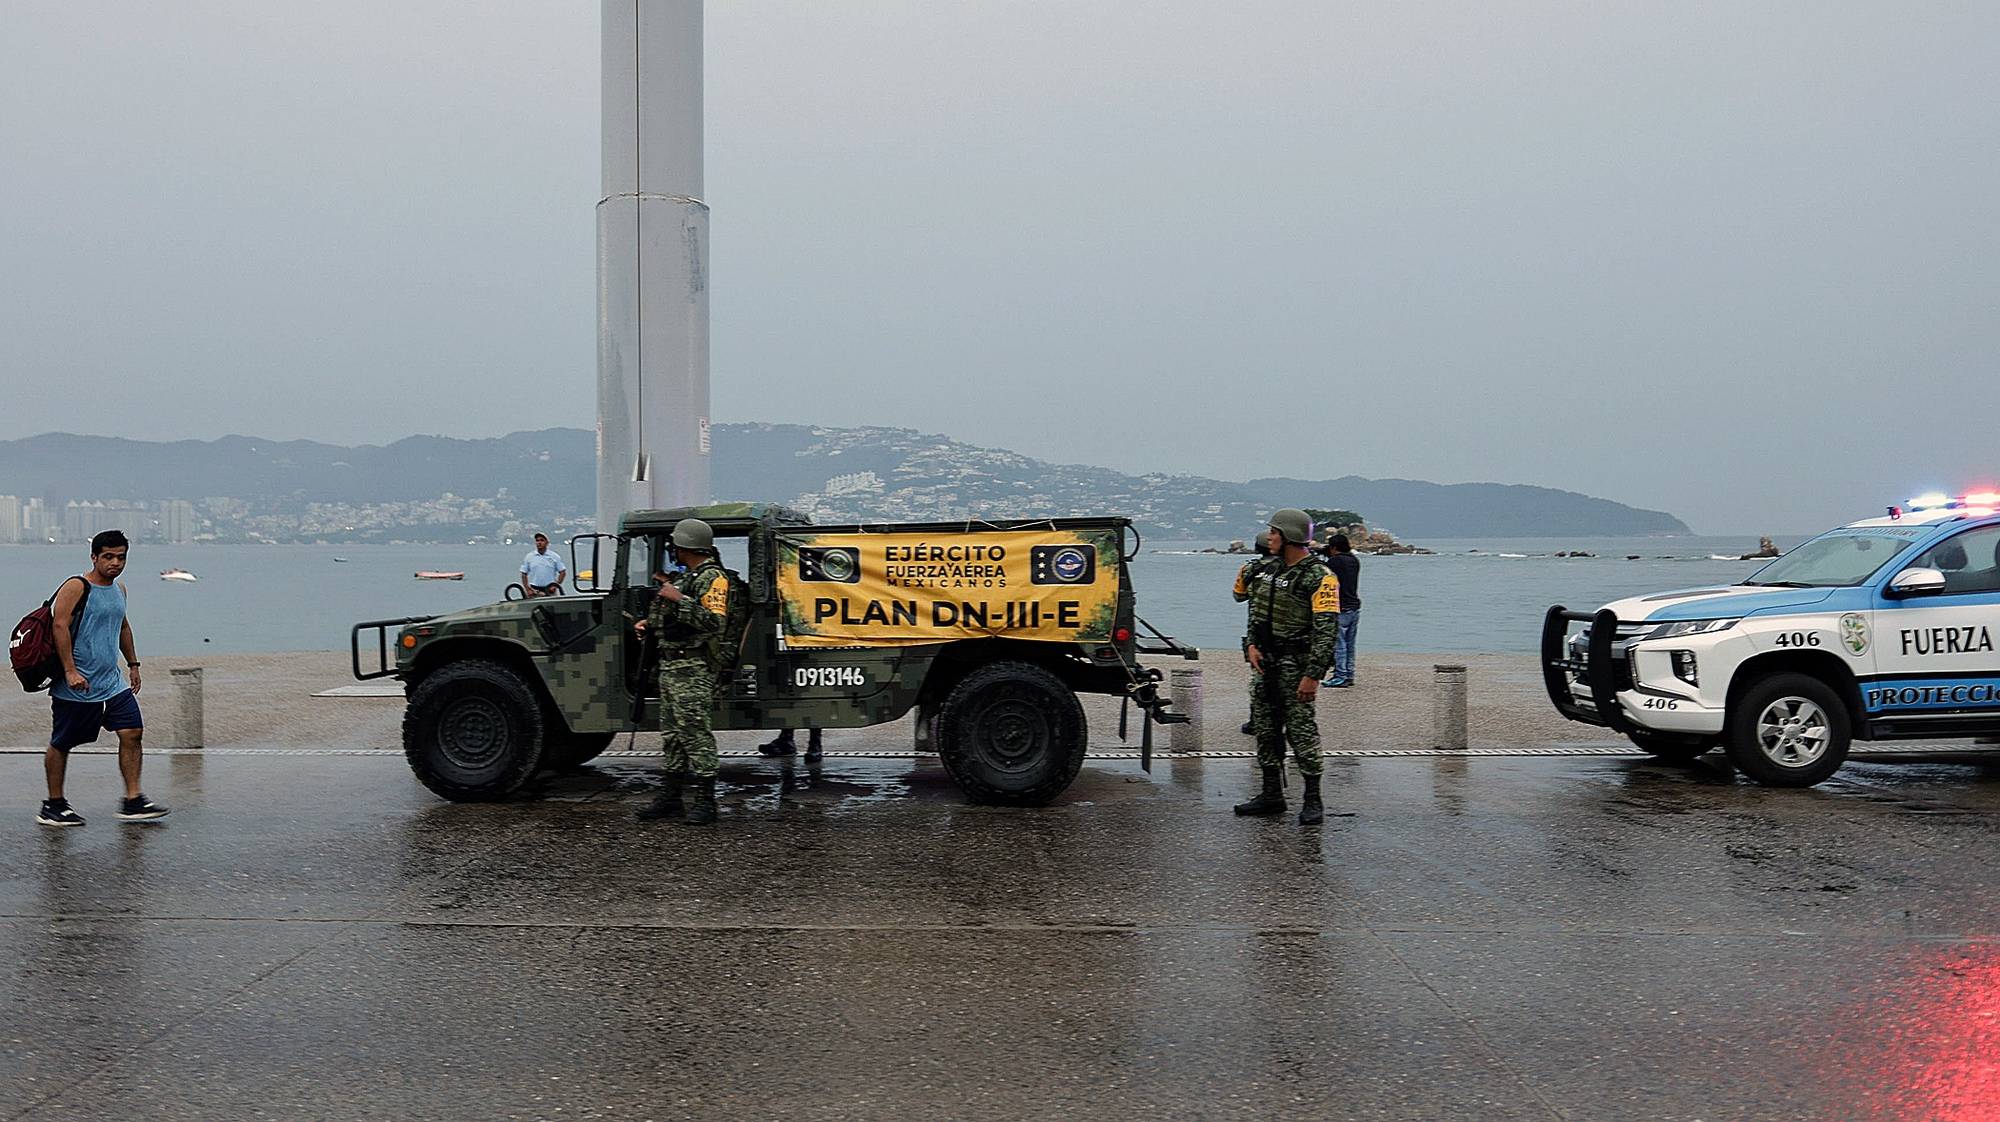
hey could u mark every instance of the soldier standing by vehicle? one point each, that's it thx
(687, 619)
(1294, 618)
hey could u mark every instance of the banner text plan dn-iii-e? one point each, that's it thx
(986, 631)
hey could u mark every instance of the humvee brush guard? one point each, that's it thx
(989, 630)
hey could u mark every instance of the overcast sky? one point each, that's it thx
(1736, 261)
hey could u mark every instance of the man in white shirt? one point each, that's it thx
(542, 572)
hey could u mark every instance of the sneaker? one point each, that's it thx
(141, 809)
(56, 812)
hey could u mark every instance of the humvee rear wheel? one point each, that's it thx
(473, 731)
(1788, 730)
(1667, 746)
(1011, 733)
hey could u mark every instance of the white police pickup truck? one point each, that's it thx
(1883, 629)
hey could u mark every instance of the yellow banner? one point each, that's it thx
(901, 589)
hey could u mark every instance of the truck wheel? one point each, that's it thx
(575, 749)
(1668, 746)
(1788, 730)
(1011, 733)
(473, 731)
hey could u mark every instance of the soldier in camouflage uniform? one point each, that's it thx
(686, 620)
(1294, 619)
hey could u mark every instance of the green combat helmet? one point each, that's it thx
(1294, 526)
(693, 533)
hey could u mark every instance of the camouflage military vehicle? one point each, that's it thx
(989, 631)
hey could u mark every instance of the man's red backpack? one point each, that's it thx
(33, 645)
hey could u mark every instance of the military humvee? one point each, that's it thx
(989, 630)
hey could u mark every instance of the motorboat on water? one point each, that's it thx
(178, 574)
(438, 574)
(340, 560)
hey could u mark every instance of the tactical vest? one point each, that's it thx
(1281, 599)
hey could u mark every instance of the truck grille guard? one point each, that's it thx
(1600, 670)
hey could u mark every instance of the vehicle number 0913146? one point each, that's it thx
(1797, 639)
(829, 676)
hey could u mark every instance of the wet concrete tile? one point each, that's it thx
(538, 1023)
(1683, 1027)
(78, 995)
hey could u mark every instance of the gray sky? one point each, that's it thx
(1736, 261)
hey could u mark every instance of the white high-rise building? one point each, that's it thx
(176, 521)
(10, 519)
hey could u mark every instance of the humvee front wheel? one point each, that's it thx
(473, 731)
(1011, 733)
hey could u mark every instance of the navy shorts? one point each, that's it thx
(77, 722)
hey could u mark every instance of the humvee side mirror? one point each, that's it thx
(590, 577)
(1915, 582)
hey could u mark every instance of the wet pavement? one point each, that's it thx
(316, 937)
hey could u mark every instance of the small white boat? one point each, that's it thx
(340, 560)
(438, 574)
(177, 574)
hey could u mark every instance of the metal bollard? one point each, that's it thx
(1448, 706)
(184, 726)
(1184, 690)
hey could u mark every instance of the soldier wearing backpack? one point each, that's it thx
(689, 620)
(92, 636)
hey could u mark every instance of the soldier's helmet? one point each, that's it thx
(1294, 526)
(693, 533)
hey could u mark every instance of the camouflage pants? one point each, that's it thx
(687, 700)
(1283, 718)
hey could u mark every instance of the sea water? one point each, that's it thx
(1471, 596)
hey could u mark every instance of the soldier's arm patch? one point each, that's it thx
(716, 599)
(1326, 598)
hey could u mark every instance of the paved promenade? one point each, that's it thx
(312, 936)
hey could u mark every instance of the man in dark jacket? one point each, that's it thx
(1345, 565)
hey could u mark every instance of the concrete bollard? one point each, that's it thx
(183, 726)
(1184, 690)
(1448, 706)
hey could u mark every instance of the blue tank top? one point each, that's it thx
(96, 648)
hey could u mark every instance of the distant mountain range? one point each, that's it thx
(837, 474)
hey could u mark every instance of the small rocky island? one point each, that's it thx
(1364, 540)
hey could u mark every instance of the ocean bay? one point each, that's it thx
(1470, 596)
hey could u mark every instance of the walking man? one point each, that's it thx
(1294, 612)
(1346, 566)
(542, 572)
(92, 639)
(687, 618)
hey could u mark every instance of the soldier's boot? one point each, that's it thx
(779, 745)
(1311, 813)
(813, 751)
(1271, 800)
(1247, 729)
(666, 804)
(701, 810)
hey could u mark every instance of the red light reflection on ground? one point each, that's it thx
(1930, 1048)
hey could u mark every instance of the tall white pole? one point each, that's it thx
(652, 263)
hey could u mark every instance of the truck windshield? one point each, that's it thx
(1836, 560)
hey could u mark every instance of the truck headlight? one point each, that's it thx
(1681, 627)
(1684, 667)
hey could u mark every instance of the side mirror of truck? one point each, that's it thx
(1915, 582)
(588, 577)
